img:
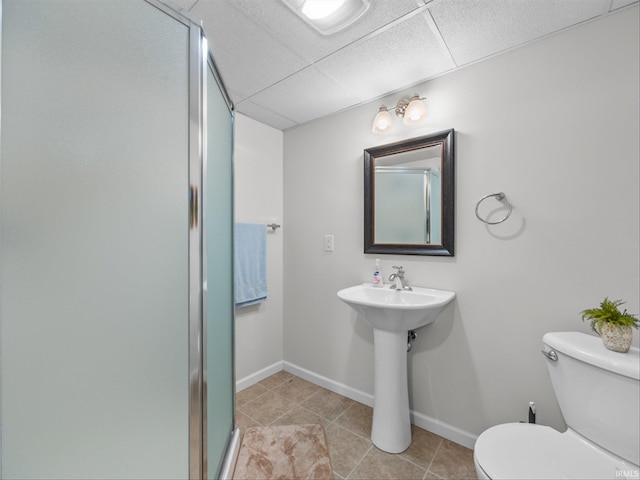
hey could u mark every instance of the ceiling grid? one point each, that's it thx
(282, 72)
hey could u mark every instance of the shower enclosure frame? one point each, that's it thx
(233, 442)
(200, 59)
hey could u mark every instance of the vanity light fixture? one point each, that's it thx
(328, 16)
(412, 111)
(383, 122)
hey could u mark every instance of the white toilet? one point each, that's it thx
(599, 395)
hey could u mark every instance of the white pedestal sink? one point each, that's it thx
(392, 313)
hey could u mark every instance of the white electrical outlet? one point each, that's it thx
(328, 243)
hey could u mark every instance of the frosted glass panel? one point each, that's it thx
(400, 208)
(93, 297)
(218, 221)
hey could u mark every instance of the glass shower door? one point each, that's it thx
(219, 299)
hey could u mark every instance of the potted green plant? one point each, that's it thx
(612, 325)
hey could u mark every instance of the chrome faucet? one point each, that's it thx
(398, 279)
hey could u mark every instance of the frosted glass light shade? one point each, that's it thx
(383, 122)
(317, 9)
(416, 112)
(328, 16)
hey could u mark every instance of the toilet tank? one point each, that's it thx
(598, 391)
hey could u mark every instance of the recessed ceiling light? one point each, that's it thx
(328, 16)
(318, 9)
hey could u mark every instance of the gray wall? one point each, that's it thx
(258, 199)
(555, 126)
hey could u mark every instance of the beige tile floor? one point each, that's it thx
(284, 399)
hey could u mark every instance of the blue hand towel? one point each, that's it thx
(250, 264)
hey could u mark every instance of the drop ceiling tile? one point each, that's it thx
(251, 110)
(307, 95)
(404, 55)
(474, 29)
(249, 58)
(186, 4)
(282, 72)
(616, 4)
(292, 30)
(236, 97)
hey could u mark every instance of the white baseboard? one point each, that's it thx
(455, 434)
(254, 378)
(336, 387)
(432, 425)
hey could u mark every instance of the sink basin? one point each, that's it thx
(394, 310)
(392, 314)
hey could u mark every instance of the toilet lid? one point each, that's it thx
(526, 451)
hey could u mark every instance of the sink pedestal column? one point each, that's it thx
(391, 429)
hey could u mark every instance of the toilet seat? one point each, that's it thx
(527, 451)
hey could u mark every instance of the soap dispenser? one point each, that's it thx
(378, 279)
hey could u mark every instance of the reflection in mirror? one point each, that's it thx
(409, 196)
(408, 182)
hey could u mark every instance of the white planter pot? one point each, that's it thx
(616, 337)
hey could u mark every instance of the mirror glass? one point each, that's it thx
(409, 201)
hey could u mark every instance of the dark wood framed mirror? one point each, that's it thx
(409, 197)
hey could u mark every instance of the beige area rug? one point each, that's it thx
(284, 452)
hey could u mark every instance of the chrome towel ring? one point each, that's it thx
(499, 196)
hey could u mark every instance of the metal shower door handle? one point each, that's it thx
(193, 206)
